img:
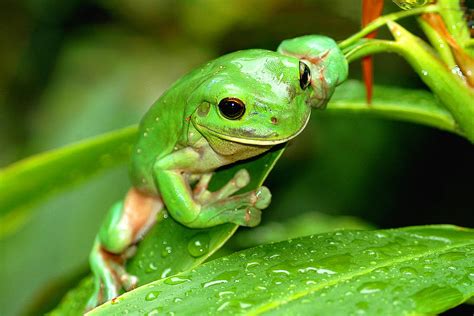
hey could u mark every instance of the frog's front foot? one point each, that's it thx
(250, 215)
(110, 277)
(222, 207)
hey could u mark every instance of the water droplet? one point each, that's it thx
(139, 151)
(223, 306)
(225, 294)
(153, 295)
(362, 308)
(410, 4)
(276, 255)
(281, 271)
(154, 312)
(151, 267)
(166, 251)
(198, 245)
(408, 271)
(177, 300)
(145, 134)
(176, 280)
(251, 264)
(424, 72)
(165, 273)
(453, 256)
(317, 270)
(215, 282)
(372, 287)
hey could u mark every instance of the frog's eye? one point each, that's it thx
(305, 75)
(232, 108)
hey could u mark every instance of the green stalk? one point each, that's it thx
(439, 44)
(450, 89)
(381, 21)
(453, 16)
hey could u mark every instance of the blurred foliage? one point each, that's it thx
(72, 69)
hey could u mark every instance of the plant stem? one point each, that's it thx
(453, 17)
(382, 21)
(439, 44)
(452, 91)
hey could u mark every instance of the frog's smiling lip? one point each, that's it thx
(261, 141)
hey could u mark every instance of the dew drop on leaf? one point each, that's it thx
(198, 245)
(214, 282)
(452, 256)
(176, 280)
(153, 295)
(408, 271)
(166, 251)
(372, 287)
(154, 312)
(410, 4)
(225, 294)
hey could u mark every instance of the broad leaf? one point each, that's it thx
(170, 247)
(415, 270)
(32, 179)
(417, 106)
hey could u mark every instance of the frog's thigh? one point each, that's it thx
(128, 221)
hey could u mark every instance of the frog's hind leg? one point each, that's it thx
(124, 225)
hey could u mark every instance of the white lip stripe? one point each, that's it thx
(249, 141)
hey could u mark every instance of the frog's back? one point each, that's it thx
(160, 130)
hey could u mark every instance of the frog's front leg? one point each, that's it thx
(123, 226)
(200, 209)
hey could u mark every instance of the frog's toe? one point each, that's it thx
(249, 216)
(129, 281)
(252, 217)
(263, 197)
(242, 178)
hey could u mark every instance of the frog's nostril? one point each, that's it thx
(274, 120)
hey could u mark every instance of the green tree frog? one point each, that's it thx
(230, 109)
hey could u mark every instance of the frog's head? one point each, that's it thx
(325, 60)
(253, 97)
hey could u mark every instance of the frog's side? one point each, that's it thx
(235, 107)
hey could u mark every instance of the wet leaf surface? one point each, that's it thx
(414, 270)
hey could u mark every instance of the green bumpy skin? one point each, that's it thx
(329, 67)
(230, 109)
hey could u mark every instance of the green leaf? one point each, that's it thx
(32, 179)
(417, 106)
(296, 226)
(414, 270)
(170, 247)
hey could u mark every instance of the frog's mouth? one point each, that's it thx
(248, 136)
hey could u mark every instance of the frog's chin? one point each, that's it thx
(257, 140)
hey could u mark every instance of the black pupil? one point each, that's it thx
(305, 75)
(232, 108)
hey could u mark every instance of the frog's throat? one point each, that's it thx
(255, 141)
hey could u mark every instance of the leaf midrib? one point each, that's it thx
(275, 304)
